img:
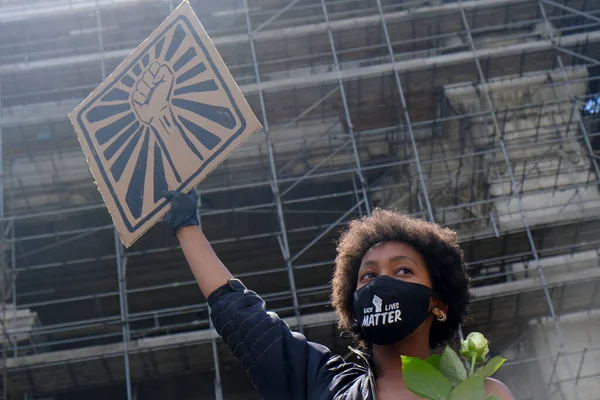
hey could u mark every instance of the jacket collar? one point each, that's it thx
(370, 388)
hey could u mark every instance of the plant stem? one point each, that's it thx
(473, 357)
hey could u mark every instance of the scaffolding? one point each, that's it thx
(480, 115)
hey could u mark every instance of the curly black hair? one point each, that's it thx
(439, 248)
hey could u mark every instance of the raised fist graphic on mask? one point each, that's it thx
(377, 302)
(152, 96)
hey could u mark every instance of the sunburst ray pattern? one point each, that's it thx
(159, 120)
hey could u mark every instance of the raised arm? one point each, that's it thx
(282, 364)
(209, 271)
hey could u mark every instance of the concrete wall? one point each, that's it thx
(580, 334)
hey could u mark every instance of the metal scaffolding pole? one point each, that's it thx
(122, 273)
(218, 385)
(1, 159)
(407, 120)
(586, 139)
(297, 30)
(272, 233)
(4, 274)
(274, 16)
(408, 123)
(120, 254)
(359, 170)
(283, 239)
(2, 261)
(13, 272)
(10, 226)
(169, 311)
(568, 9)
(287, 180)
(213, 340)
(514, 187)
(100, 41)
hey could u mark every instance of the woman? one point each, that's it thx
(399, 287)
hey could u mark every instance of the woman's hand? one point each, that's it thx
(184, 210)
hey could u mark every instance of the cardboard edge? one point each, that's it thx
(127, 239)
(134, 53)
(253, 125)
(108, 201)
(217, 59)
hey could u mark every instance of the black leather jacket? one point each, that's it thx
(282, 364)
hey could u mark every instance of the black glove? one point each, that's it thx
(184, 210)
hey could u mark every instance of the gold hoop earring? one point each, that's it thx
(440, 315)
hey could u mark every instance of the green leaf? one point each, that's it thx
(424, 380)
(491, 397)
(471, 388)
(452, 367)
(490, 367)
(434, 360)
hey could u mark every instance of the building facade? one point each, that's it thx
(481, 115)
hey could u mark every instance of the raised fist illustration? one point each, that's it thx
(152, 95)
(377, 302)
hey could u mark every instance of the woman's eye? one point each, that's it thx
(403, 271)
(368, 275)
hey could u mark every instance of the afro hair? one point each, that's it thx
(439, 248)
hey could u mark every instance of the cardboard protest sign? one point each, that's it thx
(163, 120)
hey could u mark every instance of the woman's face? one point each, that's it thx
(395, 259)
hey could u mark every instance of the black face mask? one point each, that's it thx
(388, 309)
